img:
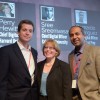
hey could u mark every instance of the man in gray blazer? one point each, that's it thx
(18, 66)
(85, 66)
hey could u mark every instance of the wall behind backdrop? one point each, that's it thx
(52, 19)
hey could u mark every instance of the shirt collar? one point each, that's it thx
(80, 51)
(22, 47)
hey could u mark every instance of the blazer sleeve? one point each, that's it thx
(97, 51)
(4, 68)
(67, 81)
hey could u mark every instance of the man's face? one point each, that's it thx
(76, 37)
(50, 12)
(81, 16)
(26, 32)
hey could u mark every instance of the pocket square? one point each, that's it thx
(88, 63)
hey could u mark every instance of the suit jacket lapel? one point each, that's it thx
(41, 71)
(84, 59)
(55, 65)
(71, 59)
(20, 56)
(34, 57)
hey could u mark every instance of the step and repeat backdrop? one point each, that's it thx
(52, 19)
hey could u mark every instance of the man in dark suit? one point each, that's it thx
(18, 66)
(85, 66)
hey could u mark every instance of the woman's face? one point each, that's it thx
(7, 9)
(49, 51)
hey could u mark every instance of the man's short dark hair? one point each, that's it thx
(82, 29)
(25, 22)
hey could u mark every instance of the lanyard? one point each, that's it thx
(29, 60)
(76, 63)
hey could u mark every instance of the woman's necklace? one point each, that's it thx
(48, 64)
